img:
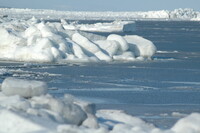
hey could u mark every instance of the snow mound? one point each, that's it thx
(35, 41)
(24, 88)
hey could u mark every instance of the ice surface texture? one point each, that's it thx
(34, 41)
(46, 114)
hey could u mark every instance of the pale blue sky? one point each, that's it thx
(103, 5)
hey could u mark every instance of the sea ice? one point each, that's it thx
(35, 41)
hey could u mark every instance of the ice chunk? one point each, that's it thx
(64, 111)
(109, 46)
(90, 47)
(120, 117)
(90, 110)
(45, 107)
(91, 121)
(25, 88)
(8, 38)
(123, 43)
(32, 31)
(129, 26)
(75, 129)
(116, 26)
(77, 50)
(14, 102)
(5, 72)
(189, 124)
(72, 113)
(126, 56)
(18, 122)
(140, 46)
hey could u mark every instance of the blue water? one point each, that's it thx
(169, 83)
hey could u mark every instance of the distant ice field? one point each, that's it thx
(160, 91)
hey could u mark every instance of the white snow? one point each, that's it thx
(47, 114)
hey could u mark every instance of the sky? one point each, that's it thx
(102, 5)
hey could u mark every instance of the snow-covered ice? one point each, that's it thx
(47, 114)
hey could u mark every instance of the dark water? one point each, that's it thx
(151, 90)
